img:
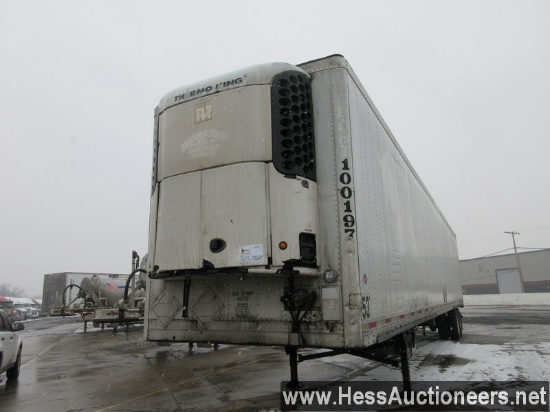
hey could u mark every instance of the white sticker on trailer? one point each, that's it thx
(252, 253)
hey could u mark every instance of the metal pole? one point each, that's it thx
(135, 265)
(292, 352)
(517, 258)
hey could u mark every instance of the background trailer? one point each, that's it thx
(55, 284)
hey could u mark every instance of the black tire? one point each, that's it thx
(443, 327)
(13, 372)
(455, 324)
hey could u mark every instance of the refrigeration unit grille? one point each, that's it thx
(292, 125)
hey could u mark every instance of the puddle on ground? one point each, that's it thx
(443, 362)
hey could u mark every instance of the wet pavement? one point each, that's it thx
(67, 369)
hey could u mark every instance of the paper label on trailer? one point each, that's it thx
(252, 253)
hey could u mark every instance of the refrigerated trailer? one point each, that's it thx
(284, 212)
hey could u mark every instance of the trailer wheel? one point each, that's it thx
(455, 321)
(443, 327)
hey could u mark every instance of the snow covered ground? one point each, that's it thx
(505, 343)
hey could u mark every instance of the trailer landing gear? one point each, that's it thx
(394, 352)
(292, 352)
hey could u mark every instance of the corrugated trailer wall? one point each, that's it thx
(408, 250)
(404, 267)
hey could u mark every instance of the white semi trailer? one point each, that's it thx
(284, 212)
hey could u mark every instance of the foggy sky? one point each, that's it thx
(464, 86)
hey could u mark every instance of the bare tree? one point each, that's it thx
(9, 290)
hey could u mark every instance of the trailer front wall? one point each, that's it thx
(233, 309)
(216, 181)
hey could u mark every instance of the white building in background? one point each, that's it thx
(500, 274)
